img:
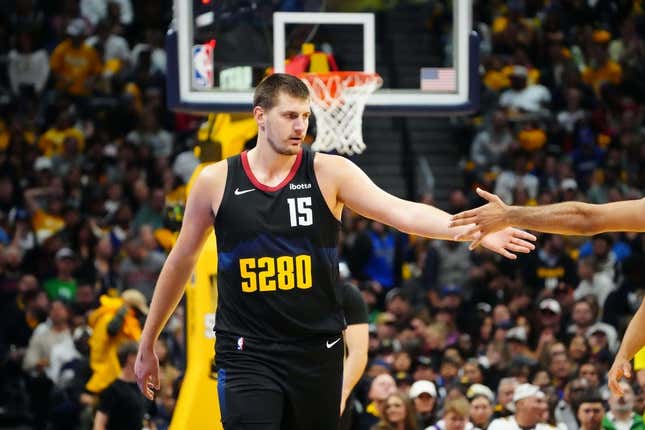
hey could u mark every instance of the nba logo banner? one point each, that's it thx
(439, 79)
(203, 67)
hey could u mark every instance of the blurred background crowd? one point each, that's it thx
(93, 170)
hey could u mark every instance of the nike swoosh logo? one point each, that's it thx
(239, 192)
(330, 344)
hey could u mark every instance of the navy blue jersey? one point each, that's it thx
(277, 256)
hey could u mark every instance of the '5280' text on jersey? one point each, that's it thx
(277, 256)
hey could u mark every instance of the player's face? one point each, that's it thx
(286, 124)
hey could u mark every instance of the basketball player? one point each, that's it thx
(275, 211)
(569, 218)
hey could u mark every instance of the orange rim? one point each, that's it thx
(336, 81)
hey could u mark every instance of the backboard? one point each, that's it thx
(426, 52)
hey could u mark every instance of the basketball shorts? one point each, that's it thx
(279, 386)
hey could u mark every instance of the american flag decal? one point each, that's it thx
(440, 79)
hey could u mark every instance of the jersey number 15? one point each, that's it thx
(300, 212)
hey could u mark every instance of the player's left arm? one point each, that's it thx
(356, 339)
(354, 188)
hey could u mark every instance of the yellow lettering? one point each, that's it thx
(268, 264)
(283, 273)
(249, 286)
(303, 271)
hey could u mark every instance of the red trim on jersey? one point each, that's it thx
(259, 185)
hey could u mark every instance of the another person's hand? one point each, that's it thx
(146, 369)
(506, 242)
(487, 219)
(621, 368)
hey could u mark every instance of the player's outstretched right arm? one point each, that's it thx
(203, 201)
(350, 186)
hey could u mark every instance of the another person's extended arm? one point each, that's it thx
(574, 218)
(633, 341)
(198, 218)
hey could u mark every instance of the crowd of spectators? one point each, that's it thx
(87, 172)
(458, 339)
(462, 339)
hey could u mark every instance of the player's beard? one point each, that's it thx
(286, 150)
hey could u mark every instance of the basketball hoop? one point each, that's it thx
(338, 103)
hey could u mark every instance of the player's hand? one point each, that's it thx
(146, 369)
(343, 403)
(487, 219)
(507, 242)
(621, 368)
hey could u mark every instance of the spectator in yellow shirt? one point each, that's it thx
(51, 143)
(45, 222)
(74, 64)
(115, 321)
(601, 69)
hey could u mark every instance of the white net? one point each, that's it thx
(338, 104)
